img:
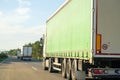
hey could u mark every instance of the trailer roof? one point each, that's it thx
(59, 9)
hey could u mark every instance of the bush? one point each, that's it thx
(3, 56)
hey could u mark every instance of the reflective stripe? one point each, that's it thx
(98, 42)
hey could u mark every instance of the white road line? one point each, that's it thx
(34, 68)
(25, 63)
(37, 64)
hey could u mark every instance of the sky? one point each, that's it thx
(23, 21)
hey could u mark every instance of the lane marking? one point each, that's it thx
(34, 68)
(25, 63)
(38, 64)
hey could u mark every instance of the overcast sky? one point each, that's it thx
(23, 21)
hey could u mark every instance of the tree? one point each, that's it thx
(13, 52)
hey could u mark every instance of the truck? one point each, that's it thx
(19, 54)
(27, 53)
(82, 38)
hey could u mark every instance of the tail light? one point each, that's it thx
(98, 71)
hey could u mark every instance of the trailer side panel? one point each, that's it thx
(69, 31)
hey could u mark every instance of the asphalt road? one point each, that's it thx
(15, 69)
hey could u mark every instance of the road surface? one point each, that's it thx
(14, 69)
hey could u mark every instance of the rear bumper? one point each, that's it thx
(27, 57)
(106, 76)
(105, 72)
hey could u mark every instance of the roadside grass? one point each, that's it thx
(37, 58)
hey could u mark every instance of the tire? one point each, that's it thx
(74, 70)
(50, 69)
(64, 68)
(44, 64)
(68, 70)
(21, 58)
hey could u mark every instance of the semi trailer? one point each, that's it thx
(19, 54)
(83, 37)
(27, 53)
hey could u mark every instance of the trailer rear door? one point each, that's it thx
(108, 27)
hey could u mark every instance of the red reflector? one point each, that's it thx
(97, 71)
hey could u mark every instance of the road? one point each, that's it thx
(14, 69)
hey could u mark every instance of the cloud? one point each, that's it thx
(18, 30)
(6, 0)
(1, 13)
(16, 37)
(13, 31)
(23, 3)
(22, 11)
(14, 19)
(23, 8)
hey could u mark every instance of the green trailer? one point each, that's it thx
(65, 37)
(80, 38)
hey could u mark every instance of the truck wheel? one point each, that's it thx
(74, 70)
(64, 68)
(68, 70)
(44, 64)
(50, 65)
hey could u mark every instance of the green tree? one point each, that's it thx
(13, 52)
